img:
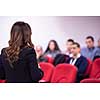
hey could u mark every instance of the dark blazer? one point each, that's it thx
(81, 64)
(42, 59)
(60, 58)
(25, 69)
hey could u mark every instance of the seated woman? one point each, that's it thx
(52, 49)
(40, 55)
(18, 60)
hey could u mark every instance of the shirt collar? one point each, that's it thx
(90, 49)
(78, 56)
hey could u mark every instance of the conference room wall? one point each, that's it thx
(60, 28)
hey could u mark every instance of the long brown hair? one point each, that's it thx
(20, 37)
(56, 46)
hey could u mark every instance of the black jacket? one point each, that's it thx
(81, 64)
(60, 58)
(24, 70)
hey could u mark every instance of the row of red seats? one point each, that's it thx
(50, 60)
(94, 76)
(60, 74)
(66, 73)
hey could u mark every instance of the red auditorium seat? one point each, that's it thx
(94, 74)
(50, 59)
(2, 81)
(90, 80)
(48, 70)
(64, 73)
(88, 70)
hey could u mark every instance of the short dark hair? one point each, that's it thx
(77, 44)
(90, 37)
(70, 40)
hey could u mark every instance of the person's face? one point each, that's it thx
(89, 43)
(75, 50)
(69, 46)
(52, 46)
(39, 50)
(98, 43)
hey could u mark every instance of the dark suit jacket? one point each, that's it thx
(25, 69)
(81, 64)
(60, 58)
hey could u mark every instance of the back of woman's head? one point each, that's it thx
(20, 37)
(52, 46)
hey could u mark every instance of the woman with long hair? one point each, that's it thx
(52, 49)
(19, 63)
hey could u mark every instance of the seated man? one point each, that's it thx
(90, 50)
(78, 60)
(97, 54)
(69, 44)
(64, 56)
(39, 53)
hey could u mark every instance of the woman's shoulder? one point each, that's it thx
(27, 50)
(3, 50)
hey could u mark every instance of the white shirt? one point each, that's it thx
(72, 62)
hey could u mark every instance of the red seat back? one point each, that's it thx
(47, 68)
(95, 68)
(64, 73)
(98, 76)
(2, 81)
(50, 59)
(90, 80)
(89, 67)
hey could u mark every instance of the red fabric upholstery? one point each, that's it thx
(89, 67)
(98, 75)
(50, 59)
(2, 81)
(95, 68)
(48, 70)
(90, 80)
(95, 73)
(64, 73)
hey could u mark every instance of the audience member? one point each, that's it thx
(78, 60)
(99, 43)
(90, 50)
(69, 47)
(40, 55)
(52, 49)
(97, 54)
(64, 56)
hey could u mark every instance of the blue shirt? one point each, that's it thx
(97, 52)
(89, 52)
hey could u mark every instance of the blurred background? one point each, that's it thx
(60, 28)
